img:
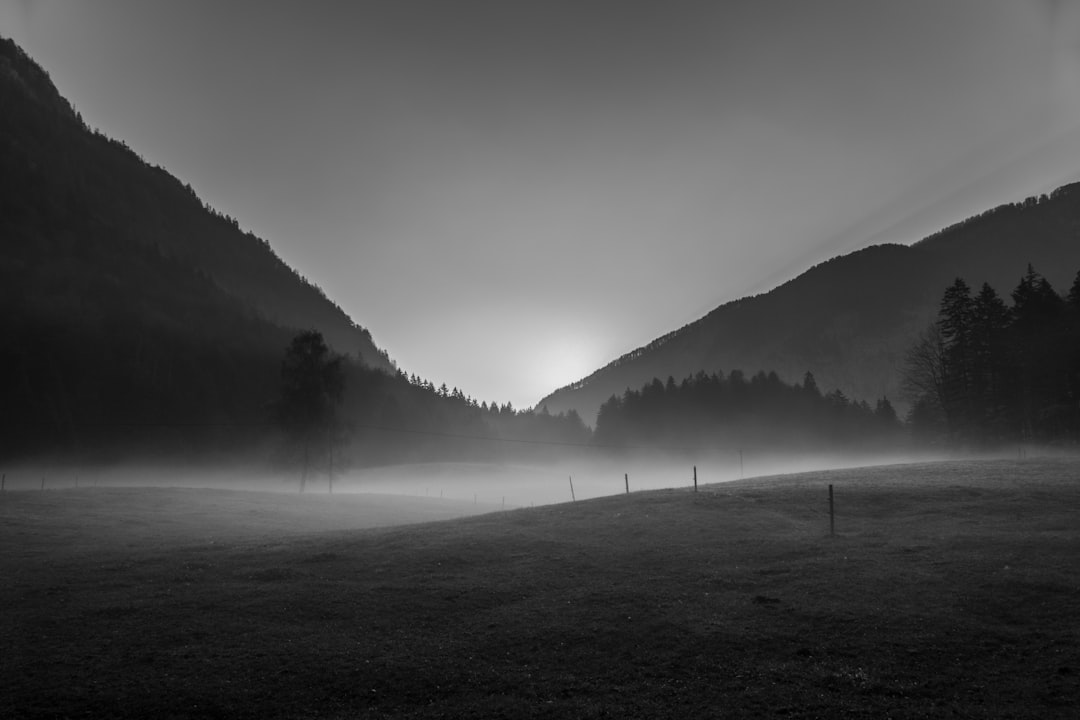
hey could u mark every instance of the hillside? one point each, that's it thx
(850, 319)
(124, 299)
(62, 182)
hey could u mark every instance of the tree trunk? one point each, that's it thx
(303, 474)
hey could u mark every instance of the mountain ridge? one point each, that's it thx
(850, 319)
(138, 323)
(122, 189)
(134, 317)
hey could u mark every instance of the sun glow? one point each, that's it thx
(565, 361)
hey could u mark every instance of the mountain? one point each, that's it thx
(138, 323)
(125, 301)
(851, 319)
(59, 179)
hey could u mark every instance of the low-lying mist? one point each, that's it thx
(513, 485)
(493, 485)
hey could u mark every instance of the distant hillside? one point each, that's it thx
(62, 183)
(850, 319)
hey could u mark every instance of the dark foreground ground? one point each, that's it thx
(950, 590)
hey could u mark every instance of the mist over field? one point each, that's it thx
(524, 485)
(487, 486)
(948, 589)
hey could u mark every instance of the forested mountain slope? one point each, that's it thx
(850, 320)
(124, 301)
(78, 193)
(136, 322)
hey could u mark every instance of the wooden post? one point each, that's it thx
(303, 474)
(626, 477)
(504, 502)
(695, 478)
(573, 498)
(832, 515)
(741, 469)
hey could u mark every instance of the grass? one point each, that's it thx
(950, 590)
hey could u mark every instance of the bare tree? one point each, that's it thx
(923, 378)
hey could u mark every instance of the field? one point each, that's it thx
(949, 590)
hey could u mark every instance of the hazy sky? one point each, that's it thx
(511, 194)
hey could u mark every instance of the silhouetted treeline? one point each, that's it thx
(718, 411)
(402, 418)
(988, 373)
(128, 388)
(136, 320)
(986, 217)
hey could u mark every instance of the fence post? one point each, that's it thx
(573, 498)
(695, 478)
(832, 515)
(626, 477)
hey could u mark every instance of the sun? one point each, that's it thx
(563, 362)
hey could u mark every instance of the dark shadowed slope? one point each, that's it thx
(137, 322)
(850, 320)
(67, 191)
(125, 302)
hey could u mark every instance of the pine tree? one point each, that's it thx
(1072, 314)
(1035, 338)
(886, 413)
(1074, 293)
(991, 369)
(956, 322)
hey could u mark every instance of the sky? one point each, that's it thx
(511, 194)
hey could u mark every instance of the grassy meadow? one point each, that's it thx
(949, 590)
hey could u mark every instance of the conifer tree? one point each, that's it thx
(1035, 339)
(956, 323)
(990, 365)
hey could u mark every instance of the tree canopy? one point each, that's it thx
(312, 386)
(987, 373)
